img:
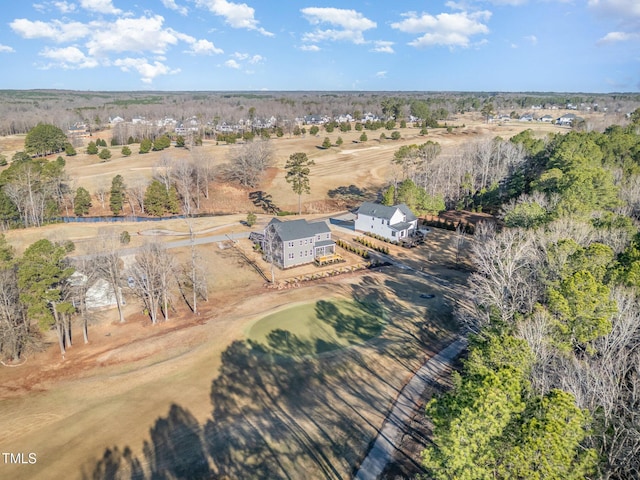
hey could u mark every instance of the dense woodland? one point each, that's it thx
(551, 384)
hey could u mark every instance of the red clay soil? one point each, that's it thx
(110, 343)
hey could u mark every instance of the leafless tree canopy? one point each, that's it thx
(248, 162)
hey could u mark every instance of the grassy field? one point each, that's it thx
(318, 327)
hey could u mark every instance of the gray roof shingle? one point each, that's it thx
(382, 211)
(296, 229)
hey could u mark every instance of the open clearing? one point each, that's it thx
(194, 394)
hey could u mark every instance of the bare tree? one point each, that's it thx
(101, 192)
(194, 273)
(135, 194)
(183, 176)
(204, 170)
(459, 240)
(153, 274)
(162, 170)
(248, 162)
(108, 264)
(505, 277)
(14, 325)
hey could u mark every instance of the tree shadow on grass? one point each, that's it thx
(279, 410)
(175, 451)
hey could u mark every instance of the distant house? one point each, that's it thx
(566, 120)
(314, 119)
(296, 242)
(99, 295)
(79, 130)
(546, 119)
(392, 223)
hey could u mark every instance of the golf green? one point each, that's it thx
(318, 327)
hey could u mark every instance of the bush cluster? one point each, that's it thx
(449, 225)
(381, 238)
(371, 245)
(350, 248)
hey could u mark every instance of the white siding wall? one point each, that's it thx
(373, 225)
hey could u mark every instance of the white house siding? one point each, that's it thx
(378, 226)
(383, 226)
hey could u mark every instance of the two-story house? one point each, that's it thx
(296, 242)
(393, 223)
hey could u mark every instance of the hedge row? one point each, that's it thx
(449, 225)
(382, 239)
(350, 248)
(371, 245)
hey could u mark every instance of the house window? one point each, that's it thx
(300, 242)
(291, 244)
(300, 253)
(305, 241)
(328, 234)
(291, 255)
(382, 221)
(393, 234)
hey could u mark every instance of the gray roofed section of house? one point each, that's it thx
(324, 243)
(407, 211)
(382, 211)
(295, 229)
(376, 210)
(398, 227)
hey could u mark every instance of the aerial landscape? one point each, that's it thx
(320, 241)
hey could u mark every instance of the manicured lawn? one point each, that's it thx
(318, 327)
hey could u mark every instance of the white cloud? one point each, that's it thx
(310, 48)
(65, 7)
(146, 70)
(382, 46)
(239, 58)
(172, 5)
(448, 29)
(622, 9)
(381, 74)
(615, 37)
(68, 58)
(237, 15)
(203, 47)
(532, 39)
(100, 6)
(351, 25)
(55, 30)
(134, 35)
(6, 49)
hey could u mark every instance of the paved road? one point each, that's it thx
(180, 243)
(410, 398)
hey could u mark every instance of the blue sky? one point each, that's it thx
(469, 45)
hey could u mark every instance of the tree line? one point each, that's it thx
(549, 388)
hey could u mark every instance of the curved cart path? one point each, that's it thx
(410, 398)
